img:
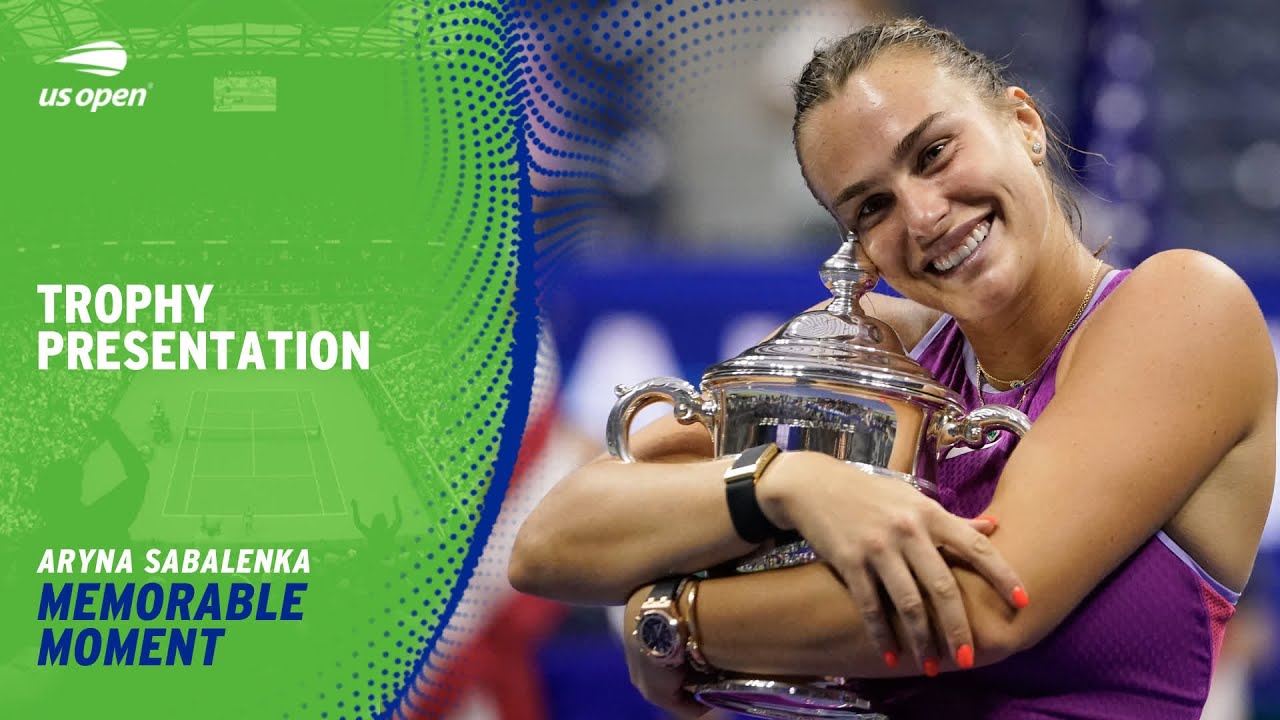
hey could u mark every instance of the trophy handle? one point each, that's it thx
(971, 430)
(689, 408)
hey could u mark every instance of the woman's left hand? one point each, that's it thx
(875, 531)
(661, 686)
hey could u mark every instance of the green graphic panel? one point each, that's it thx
(327, 167)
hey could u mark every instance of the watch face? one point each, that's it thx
(657, 635)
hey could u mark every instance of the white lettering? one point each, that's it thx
(137, 297)
(251, 352)
(78, 303)
(107, 305)
(50, 293)
(330, 350)
(106, 347)
(78, 344)
(50, 345)
(162, 349)
(100, 98)
(133, 343)
(198, 300)
(357, 349)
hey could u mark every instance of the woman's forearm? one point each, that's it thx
(802, 621)
(610, 527)
(798, 621)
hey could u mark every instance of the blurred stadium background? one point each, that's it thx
(698, 237)
(689, 193)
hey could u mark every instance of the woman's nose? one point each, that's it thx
(924, 210)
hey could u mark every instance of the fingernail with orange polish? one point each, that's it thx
(891, 659)
(994, 522)
(931, 667)
(1020, 599)
(964, 657)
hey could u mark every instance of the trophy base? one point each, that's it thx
(784, 700)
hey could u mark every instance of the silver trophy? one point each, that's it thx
(834, 381)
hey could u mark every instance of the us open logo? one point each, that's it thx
(105, 58)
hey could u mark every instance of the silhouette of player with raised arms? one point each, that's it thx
(380, 535)
(71, 523)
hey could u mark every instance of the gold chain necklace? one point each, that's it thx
(984, 376)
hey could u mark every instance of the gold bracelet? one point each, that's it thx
(692, 648)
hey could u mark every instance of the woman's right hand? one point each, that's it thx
(876, 531)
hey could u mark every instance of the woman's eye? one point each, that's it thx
(932, 153)
(874, 204)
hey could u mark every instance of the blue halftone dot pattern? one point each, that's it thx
(452, 666)
(603, 78)
(457, 60)
(474, 163)
(582, 76)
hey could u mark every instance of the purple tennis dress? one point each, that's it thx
(1141, 646)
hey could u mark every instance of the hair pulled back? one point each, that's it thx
(832, 65)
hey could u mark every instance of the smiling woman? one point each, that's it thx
(952, 167)
(1081, 572)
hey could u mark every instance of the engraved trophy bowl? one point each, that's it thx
(835, 381)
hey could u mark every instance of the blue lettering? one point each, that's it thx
(150, 643)
(291, 601)
(84, 601)
(88, 645)
(180, 595)
(120, 650)
(264, 596)
(117, 604)
(212, 635)
(55, 652)
(181, 643)
(150, 600)
(240, 604)
(209, 605)
(54, 606)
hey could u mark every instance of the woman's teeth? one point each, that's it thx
(971, 243)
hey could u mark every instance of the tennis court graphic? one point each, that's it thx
(259, 449)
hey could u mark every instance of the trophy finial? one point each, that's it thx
(848, 277)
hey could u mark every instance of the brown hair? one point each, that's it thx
(833, 64)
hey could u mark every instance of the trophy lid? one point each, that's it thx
(838, 344)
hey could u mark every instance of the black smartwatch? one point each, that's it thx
(660, 630)
(740, 492)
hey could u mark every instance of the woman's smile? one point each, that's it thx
(956, 254)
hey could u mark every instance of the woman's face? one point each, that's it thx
(941, 190)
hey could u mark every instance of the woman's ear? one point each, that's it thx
(1029, 123)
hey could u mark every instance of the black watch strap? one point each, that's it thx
(664, 590)
(740, 492)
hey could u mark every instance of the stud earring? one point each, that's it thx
(1036, 148)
